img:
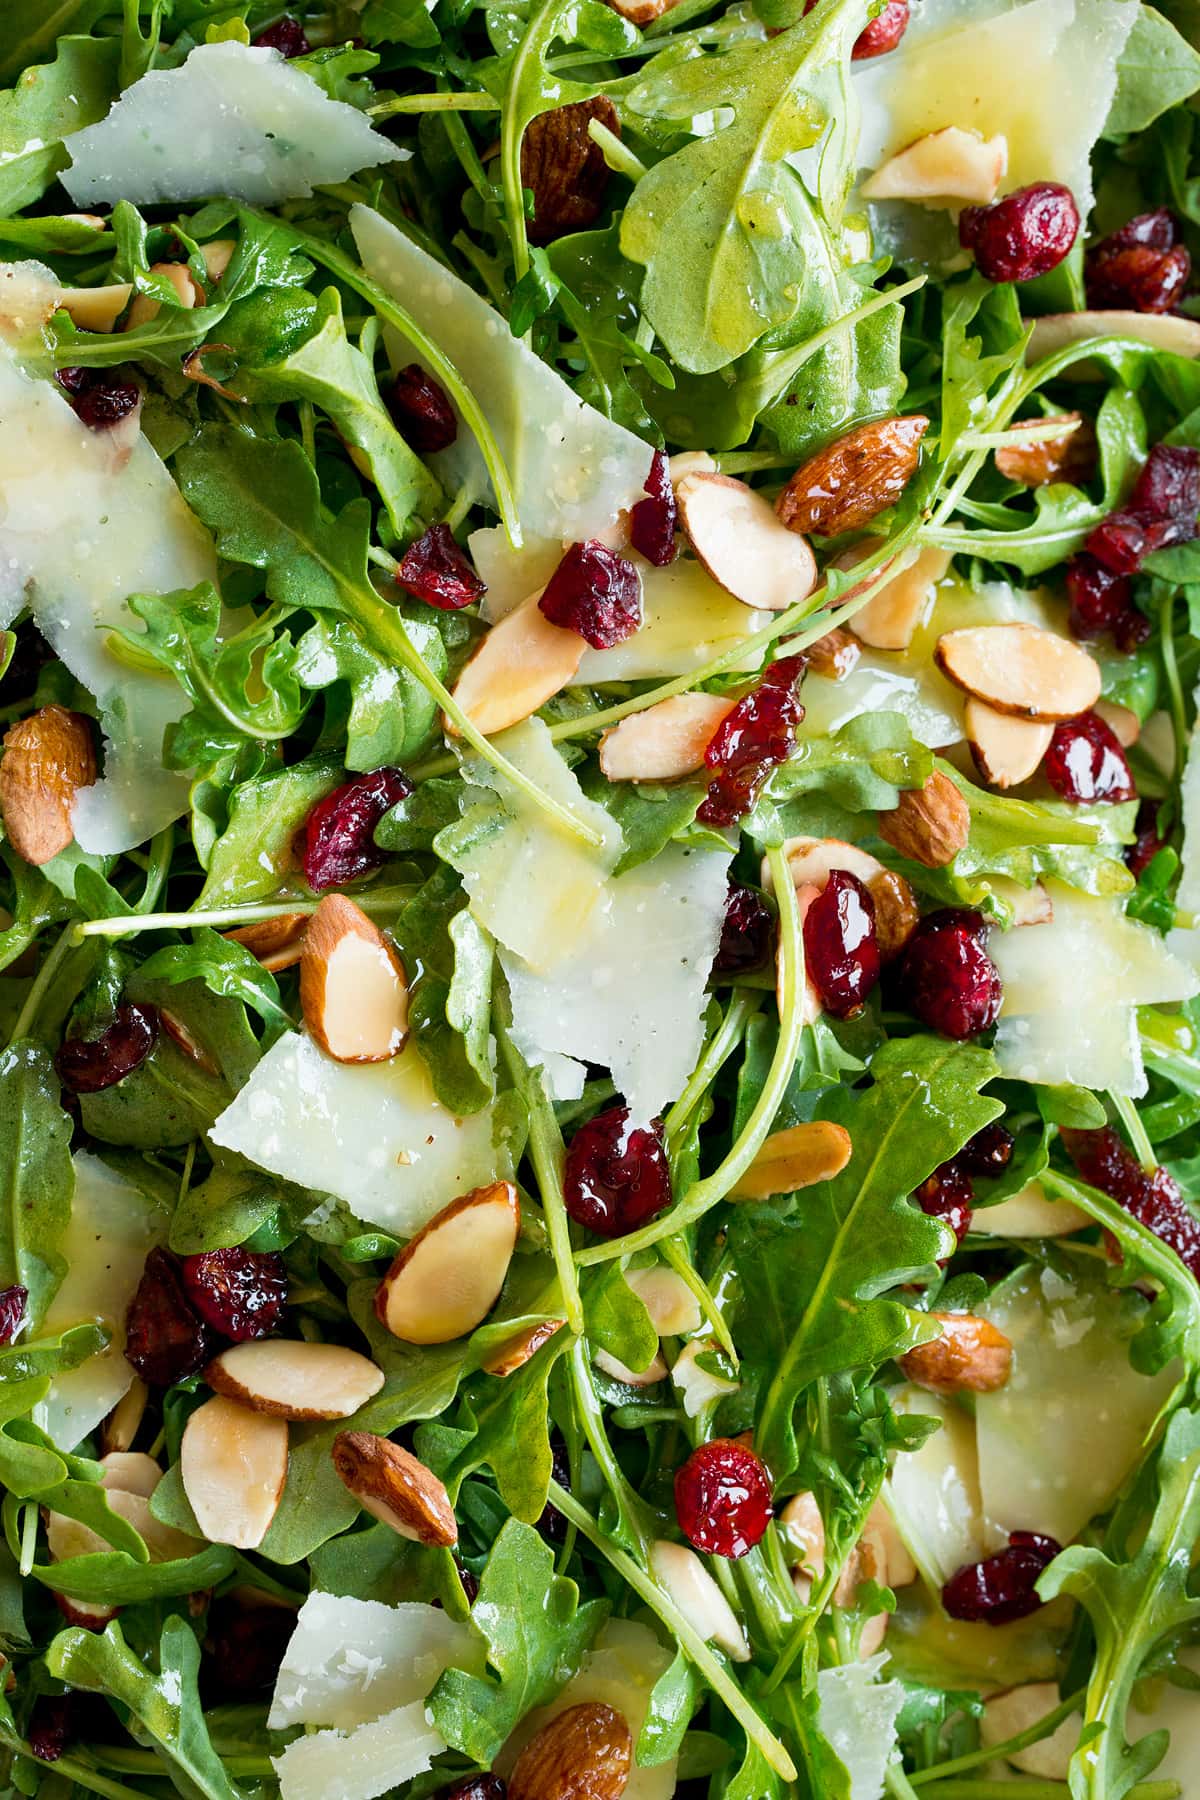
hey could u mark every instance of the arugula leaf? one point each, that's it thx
(36, 1175)
(228, 1207)
(30, 29)
(227, 969)
(1158, 69)
(673, 1699)
(47, 104)
(450, 1001)
(862, 767)
(253, 855)
(391, 717)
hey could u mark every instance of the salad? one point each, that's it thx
(600, 884)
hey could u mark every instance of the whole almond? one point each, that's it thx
(971, 1354)
(931, 823)
(565, 169)
(834, 655)
(846, 485)
(1071, 457)
(47, 758)
(393, 1486)
(586, 1753)
(896, 912)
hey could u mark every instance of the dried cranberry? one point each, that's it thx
(55, 1722)
(595, 592)
(1151, 1196)
(1156, 230)
(1168, 486)
(948, 1195)
(469, 1583)
(1147, 843)
(747, 932)
(89, 1065)
(1001, 1587)
(652, 521)
(753, 738)
(1085, 763)
(13, 1301)
(1022, 236)
(883, 33)
(1124, 540)
(474, 1787)
(723, 1498)
(100, 397)
(286, 36)
(421, 411)
(988, 1153)
(1144, 281)
(616, 1178)
(551, 1523)
(1102, 601)
(245, 1646)
(435, 570)
(949, 979)
(841, 952)
(240, 1293)
(339, 833)
(166, 1340)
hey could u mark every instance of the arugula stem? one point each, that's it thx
(617, 155)
(47, 971)
(720, 1047)
(707, 1193)
(587, 1407)
(427, 103)
(690, 1641)
(86, 1776)
(1128, 1114)
(1166, 619)
(129, 924)
(1032, 1734)
(29, 1529)
(673, 1251)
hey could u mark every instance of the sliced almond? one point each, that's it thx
(812, 860)
(1071, 457)
(47, 758)
(447, 1279)
(96, 308)
(185, 1040)
(946, 169)
(970, 1355)
(796, 1158)
(1030, 905)
(737, 536)
(233, 1462)
(217, 256)
(145, 307)
(674, 1309)
(666, 741)
(889, 619)
(929, 824)
(584, 1753)
(520, 1348)
(393, 1486)
(522, 662)
(1020, 669)
(123, 1422)
(880, 1555)
(699, 1387)
(71, 1537)
(690, 462)
(131, 1471)
(1010, 1715)
(834, 655)
(684, 1579)
(1162, 331)
(353, 988)
(1007, 751)
(92, 1615)
(1122, 721)
(655, 1371)
(295, 1380)
(276, 943)
(896, 912)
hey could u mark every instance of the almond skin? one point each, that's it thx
(586, 1753)
(565, 169)
(743, 544)
(796, 1158)
(854, 479)
(353, 988)
(896, 913)
(390, 1483)
(277, 943)
(834, 655)
(447, 1279)
(931, 823)
(970, 1355)
(521, 1348)
(47, 759)
(1071, 457)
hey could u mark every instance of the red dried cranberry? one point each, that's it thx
(1085, 763)
(595, 592)
(339, 833)
(1147, 844)
(1124, 540)
(244, 1648)
(1168, 486)
(988, 1153)
(53, 1724)
(652, 521)
(474, 1787)
(1099, 599)
(841, 952)
(948, 1195)
(166, 1340)
(1001, 1587)
(286, 36)
(1156, 230)
(435, 570)
(421, 411)
(1022, 236)
(723, 1498)
(753, 738)
(883, 33)
(949, 979)
(747, 932)
(100, 397)
(469, 1583)
(551, 1523)
(89, 1065)
(1151, 1196)
(1138, 280)
(13, 1301)
(240, 1293)
(616, 1178)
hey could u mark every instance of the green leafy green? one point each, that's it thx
(36, 1176)
(49, 102)
(1158, 69)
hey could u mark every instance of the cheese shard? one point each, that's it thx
(372, 1759)
(350, 1660)
(572, 469)
(232, 120)
(111, 1229)
(81, 530)
(856, 1714)
(1186, 943)
(372, 1134)
(933, 1492)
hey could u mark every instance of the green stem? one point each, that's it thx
(162, 848)
(1032, 1734)
(87, 1777)
(428, 103)
(1128, 1114)
(1174, 685)
(49, 968)
(617, 155)
(1020, 1789)
(673, 1251)
(129, 924)
(721, 1045)
(592, 1420)
(29, 1529)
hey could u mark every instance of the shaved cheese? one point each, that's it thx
(1029, 1214)
(231, 120)
(1186, 943)
(350, 1660)
(856, 1714)
(571, 468)
(81, 530)
(933, 1494)
(370, 1760)
(372, 1134)
(111, 1229)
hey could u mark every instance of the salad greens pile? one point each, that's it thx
(487, 1231)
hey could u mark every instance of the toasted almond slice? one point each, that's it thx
(1030, 905)
(1162, 331)
(655, 1371)
(217, 256)
(121, 1426)
(945, 169)
(891, 616)
(674, 1309)
(520, 1348)
(1122, 721)
(896, 912)
(1020, 669)
(745, 548)
(699, 1387)
(522, 662)
(277, 943)
(641, 12)
(131, 1471)
(447, 1279)
(233, 1462)
(353, 988)
(583, 1753)
(96, 308)
(71, 1537)
(145, 307)
(393, 1486)
(929, 824)
(1007, 751)
(971, 1354)
(47, 759)
(92, 1615)
(690, 462)
(812, 860)
(682, 1576)
(796, 1158)
(295, 1380)
(664, 742)
(834, 655)
(1010, 1715)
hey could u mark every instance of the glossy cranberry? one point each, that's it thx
(89, 1065)
(1151, 1196)
(474, 1787)
(595, 592)
(339, 833)
(752, 739)
(616, 1178)
(1022, 236)
(435, 570)
(1001, 1587)
(652, 520)
(240, 1293)
(1139, 268)
(1156, 230)
(13, 1301)
(841, 952)
(53, 1724)
(747, 932)
(100, 397)
(1168, 486)
(245, 1646)
(723, 1498)
(551, 1523)
(988, 1153)
(1102, 601)
(947, 976)
(166, 1340)
(1124, 540)
(883, 33)
(469, 1583)
(421, 411)
(948, 1195)
(1147, 843)
(286, 36)
(1085, 763)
